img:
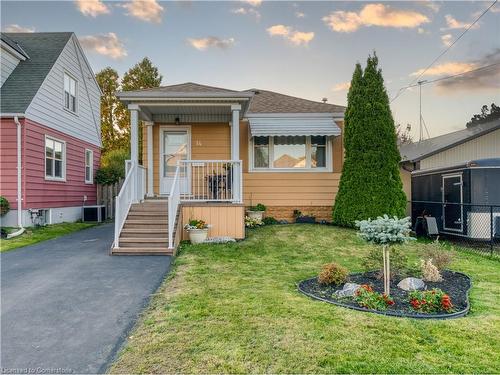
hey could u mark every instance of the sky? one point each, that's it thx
(301, 48)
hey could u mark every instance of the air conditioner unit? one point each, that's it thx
(94, 213)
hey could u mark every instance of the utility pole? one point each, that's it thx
(421, 132)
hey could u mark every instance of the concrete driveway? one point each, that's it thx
(67, 305)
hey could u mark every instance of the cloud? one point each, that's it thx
(295, 37)
(15, 28)
(299, 14)
(343, 86)
(254, 3)
(145, 10)
(249, 11)
(104, 44)
(448, 68)
(374, 15)
(453, 24)
(447, 39)
(421, 30)
(432, 5)
(479, 80)
(202, 44)
(92, 8)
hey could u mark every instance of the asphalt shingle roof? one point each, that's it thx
(265, 101)
(420, 150)
(43, 50)
(262, 101)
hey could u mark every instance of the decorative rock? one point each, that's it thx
(219, 240)
(348, 290)
(411, 283)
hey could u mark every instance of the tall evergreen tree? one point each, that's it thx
(370, 184)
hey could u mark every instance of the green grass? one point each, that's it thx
(34, 235)
(235, 308)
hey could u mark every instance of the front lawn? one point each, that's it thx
(235, 308)
(34, 235)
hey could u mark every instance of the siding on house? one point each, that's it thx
(47, 105)
(291, 189)
(8, 63)
(42, 193)
(486, 146)
(8, 160)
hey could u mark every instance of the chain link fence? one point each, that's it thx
(474, 226)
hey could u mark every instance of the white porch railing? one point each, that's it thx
(133, 190)
(203, 181)
(174, 199)
(211, 180)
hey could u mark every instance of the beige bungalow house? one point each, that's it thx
(209, 153)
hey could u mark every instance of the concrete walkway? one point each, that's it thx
(67, 305)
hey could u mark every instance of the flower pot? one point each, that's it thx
(198, 235)
(256, 215)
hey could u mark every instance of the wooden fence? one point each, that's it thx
(106, 197)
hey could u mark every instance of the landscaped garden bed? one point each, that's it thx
(455, 284)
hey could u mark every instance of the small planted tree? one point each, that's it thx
(385, 231)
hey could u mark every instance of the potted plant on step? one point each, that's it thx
(198, 231)
(256, 212)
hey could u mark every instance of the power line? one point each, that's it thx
(401, 90)
(452, 76)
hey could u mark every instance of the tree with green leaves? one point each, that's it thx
(487, 114)
(143, 75)
(370, 185)
(115, 118)
(109, 82)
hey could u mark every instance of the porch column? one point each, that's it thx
(235, 150)
(235, 132)
(134, 146)
(134, 133)
(149, 125)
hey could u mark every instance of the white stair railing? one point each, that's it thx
(173, 205)
(133, 190)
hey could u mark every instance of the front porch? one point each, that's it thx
(190, 160)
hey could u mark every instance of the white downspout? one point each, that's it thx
(19, 182)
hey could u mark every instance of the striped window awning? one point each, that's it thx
(275, 126)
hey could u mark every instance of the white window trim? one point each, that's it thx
(77, 84)
(91, 181)
(50, 178)
(270, 169)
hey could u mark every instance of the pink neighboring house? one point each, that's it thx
(50, 136)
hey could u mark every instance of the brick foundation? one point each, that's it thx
(286, 212)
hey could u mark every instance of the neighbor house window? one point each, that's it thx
(89, 161)
(69, 93)
(54, 159)
(290, 152)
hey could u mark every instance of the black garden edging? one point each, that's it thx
(395, 313)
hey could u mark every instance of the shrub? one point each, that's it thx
(373, 261)
(385, 230)
(112, 167)
(430, 271)
(370, 184)
(333, 273)
(252, 223)
(4, 206)
(430, 301)
(258, 207)
(366, 297)
(269, 220)
(441, 258)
